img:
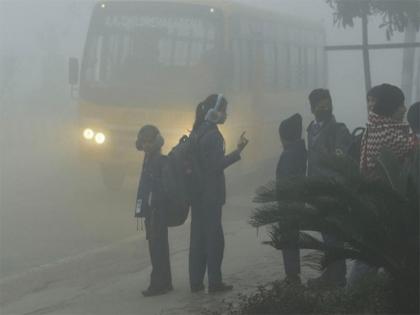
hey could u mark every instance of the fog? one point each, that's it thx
(54, 203)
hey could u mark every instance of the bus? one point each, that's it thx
(154, 61)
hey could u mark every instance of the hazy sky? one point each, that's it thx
(346, 79)
(26, 24)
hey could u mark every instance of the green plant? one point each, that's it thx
(395, 14)
(371, 296)
(377, 219)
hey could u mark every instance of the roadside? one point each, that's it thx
(109, 280)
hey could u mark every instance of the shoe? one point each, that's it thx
(222, 287)
(292, 280)
(197, 289)
(157, 291)
(323, 282)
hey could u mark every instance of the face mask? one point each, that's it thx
(323, 115)
(223, 117)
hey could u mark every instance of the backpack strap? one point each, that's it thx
(359, 131)
(364, 163)
(332, 137)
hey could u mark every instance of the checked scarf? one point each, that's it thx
(384, 132)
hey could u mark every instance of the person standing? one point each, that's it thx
(151, 206)
(292, 162)
(413, 118)
(207, 238)
(325, 137)
(386, 129)
(372, 98)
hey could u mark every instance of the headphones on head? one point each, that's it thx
(213, 115)
(158, 142)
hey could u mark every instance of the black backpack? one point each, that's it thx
(355, 146)
(353, 149)
(181, 179)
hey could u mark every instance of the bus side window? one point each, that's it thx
(312, 67)
(270, 56)
(320, 66)
(293, 62)
(283, 68)
(235, 48)
(269, 65)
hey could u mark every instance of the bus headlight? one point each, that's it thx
(100, 138)
(88, 134)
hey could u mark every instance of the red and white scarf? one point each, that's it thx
(384, 132)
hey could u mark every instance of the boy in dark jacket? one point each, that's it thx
(326, 136)
(151, 207)
(292, 162)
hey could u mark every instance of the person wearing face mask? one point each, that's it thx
(325, 137)
(386, 129)
(372, 97)
(207, 238)
(151, 205)
(325, 134)
(413, 118)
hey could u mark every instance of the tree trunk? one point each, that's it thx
(418, 80)
(409, 62)
(366, 59)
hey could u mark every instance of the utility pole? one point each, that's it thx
(418, 80)
(366, 58)
(408, 67)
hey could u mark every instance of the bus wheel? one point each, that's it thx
(112, 177)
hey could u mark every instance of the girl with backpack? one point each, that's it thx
(207, 239)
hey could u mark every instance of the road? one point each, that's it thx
(65, 237)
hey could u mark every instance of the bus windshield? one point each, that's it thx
(141, 47)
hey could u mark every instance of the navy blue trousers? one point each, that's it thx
(207, 244)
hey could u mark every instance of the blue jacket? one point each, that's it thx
(150, 190)
(211, 148)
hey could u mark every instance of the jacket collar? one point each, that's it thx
(375, 120)
(324, 125)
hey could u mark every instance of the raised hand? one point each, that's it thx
(243, 141)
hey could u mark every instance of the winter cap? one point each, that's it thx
(389, 98)
(374, 92)
(148, 133)
(291, 128)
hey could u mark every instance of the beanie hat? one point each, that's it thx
(389, 99)
(147, 133)
(291, 128)
(373, 92)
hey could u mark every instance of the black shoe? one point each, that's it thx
(197, 289)
(324, 282)
(157, 291)
(222, 287)
(292, 280)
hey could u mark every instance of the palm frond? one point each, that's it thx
(343, 167)
(266, 193)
